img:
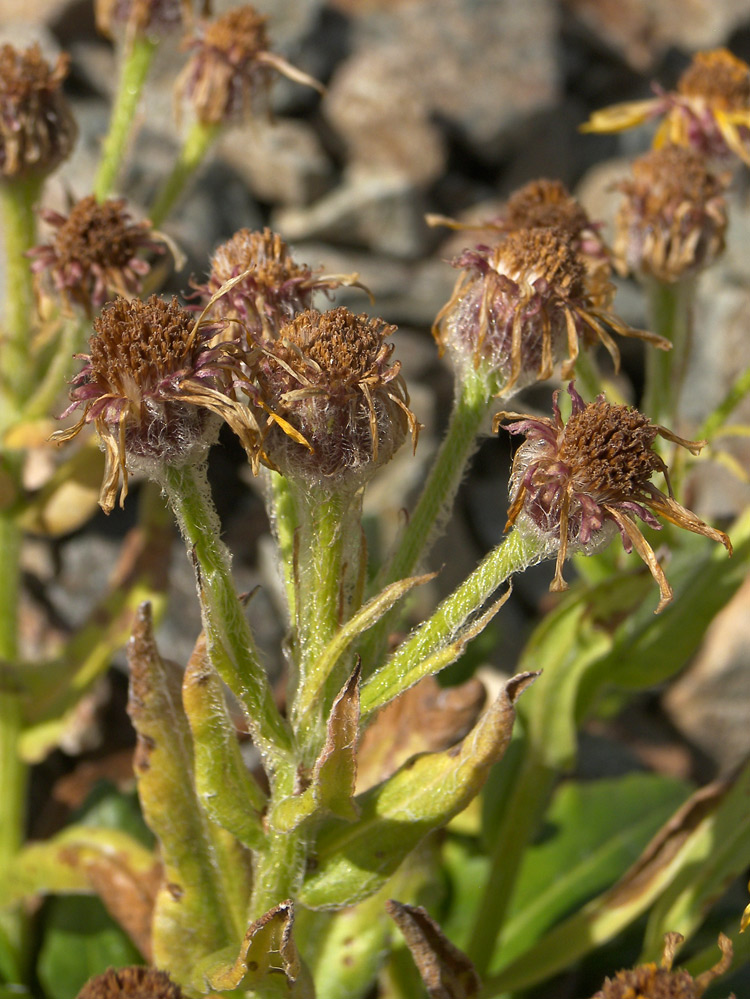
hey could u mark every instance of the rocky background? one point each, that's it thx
(431, 106)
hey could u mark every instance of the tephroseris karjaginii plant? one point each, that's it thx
(290, 879)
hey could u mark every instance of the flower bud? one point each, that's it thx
(37, 130)
(329, 378)
(576, 484)
(95, 253)
(673, 219)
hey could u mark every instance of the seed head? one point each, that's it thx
(230, 72)
(131, 983)
(673, 219)
(37, 130)
(273, 289)
(649, 981)
(709, 111)
(95, 253)
(519, 307)
(344, 406)
(575, 484)
(150, 385)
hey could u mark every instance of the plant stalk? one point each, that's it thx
(199, 140)
(136, 63)
(670, 309)
(231, 643)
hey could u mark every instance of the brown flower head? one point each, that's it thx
(274, 288)
(95, 253)
(673, 219)
(345, 406)
(709, 111)
(135, 982)
(147, 18)
(230, 72)
(649, 981)
(575, 484)
(518, 307)
(37, 130)
(547, 204)
(150, 385)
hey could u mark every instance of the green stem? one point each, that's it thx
(231, 643)
(199, 140)
(284, 521)
(135, 66)
(419, 655)
(670, 311)
(519, 823)
(276, 870)
(19, 222)
(326, 560)
(469, 410)
(47, 392)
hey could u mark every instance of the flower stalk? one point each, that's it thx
(198, 141)
(138, 56)
(670, 307)
(231, 643)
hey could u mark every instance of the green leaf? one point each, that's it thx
(227, 790)
(80, 941)
(593, 832)
(354, 861)
(713, 816)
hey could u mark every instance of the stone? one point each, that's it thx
(282, 162)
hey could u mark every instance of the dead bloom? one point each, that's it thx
(37, 130)
(344, 405)
(520, 307)
(673, 218)
(574, 484)
(649, 981)
(709, 111)
(150, 385)
(230, 72)
(96, 252)
(131, 983)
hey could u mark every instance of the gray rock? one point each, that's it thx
(283, 163)
(381, 212)
(480, 66)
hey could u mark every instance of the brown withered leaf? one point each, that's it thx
(335, 771)
(425, 718)
(446, 971)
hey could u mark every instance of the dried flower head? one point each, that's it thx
(131, 983)
(37, 130)
(518, 307)
(574, 484)
(650, 981)
(546, 204)
(673, 219)
(230, 72)
(330, 378)
(142, 17)
(709, 111)
(274, 288)
(95, 253)
(150, 385)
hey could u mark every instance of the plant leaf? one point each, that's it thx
(424, 794)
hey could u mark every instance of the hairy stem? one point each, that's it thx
(199, 140)
(230, 640)
(670, 310)
(135, 66)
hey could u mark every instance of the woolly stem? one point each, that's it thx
(135, 66)
(230, 640)
(199, 140)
